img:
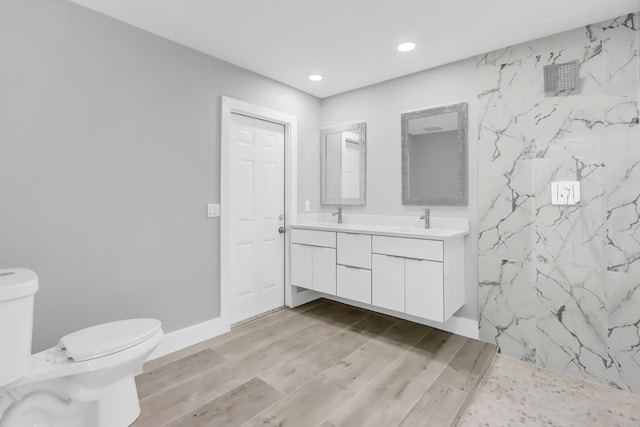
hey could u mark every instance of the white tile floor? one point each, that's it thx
(515, 393)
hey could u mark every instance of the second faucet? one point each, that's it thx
(339, 213)
(426, 218)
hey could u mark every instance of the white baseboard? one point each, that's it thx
(177, 340)
(456, 325)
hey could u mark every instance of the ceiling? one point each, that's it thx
(352, 43)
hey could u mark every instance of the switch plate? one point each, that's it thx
(213, 210)
(565, 193)
(307, 206)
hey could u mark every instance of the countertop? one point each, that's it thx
(385, 230)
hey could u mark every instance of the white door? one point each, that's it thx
(257, 212)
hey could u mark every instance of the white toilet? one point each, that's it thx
(87, 380)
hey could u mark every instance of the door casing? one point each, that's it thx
(290, 122)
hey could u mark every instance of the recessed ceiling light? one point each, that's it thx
(406, 47)
(315, 77)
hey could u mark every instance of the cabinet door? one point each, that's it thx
(424, 289)
(387, 282)
(324, 270)
(354, 283)
(302, 266)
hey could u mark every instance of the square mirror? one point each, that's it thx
(344, 164)
(434, 156)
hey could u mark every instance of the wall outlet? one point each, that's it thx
(307, 206)
(565, 193)
(213, 210)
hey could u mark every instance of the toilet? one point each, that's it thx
(86, 380)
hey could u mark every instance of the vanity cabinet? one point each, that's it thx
(418, 276)
(415, 269)
(412, 286)
(313, 260)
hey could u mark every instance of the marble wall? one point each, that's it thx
(560, 285)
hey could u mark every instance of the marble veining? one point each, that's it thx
(560, 285)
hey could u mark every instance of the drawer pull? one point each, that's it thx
(352, 267)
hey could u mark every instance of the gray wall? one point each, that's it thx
(109, 152)
(433, 165)
(380, 106)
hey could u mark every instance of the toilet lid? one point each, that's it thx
(107, 338)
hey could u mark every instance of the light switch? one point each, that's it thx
(307, 206)
(565, 193)
(213, 210)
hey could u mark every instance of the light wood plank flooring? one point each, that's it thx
(322, 364)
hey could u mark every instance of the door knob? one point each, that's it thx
(281, 230)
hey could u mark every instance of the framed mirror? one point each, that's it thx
(344, 164)
(434, 156)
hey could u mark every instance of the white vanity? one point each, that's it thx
(411, 270)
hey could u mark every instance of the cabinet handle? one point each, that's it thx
(408, 257)
(392, 256)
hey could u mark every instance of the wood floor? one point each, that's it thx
(322, 364)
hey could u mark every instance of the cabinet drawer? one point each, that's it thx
(409, 248)
(354, 283)
(314, 238)
(354, 249)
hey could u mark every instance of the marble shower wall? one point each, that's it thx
(560, 285)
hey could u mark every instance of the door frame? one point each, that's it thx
(290, 122)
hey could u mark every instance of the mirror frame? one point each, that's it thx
(462, 198)
(361, 129)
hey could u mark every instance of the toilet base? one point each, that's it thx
(116, 405)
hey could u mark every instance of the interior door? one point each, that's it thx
(257, 215)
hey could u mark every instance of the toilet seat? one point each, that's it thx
(107, 338)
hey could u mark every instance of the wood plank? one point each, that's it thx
(233, 333)
(176, 401)
(294, 372)
(236, 347)
(467, 366)
(441, 404)
(312, 403)
(232, 408)
(395, 341)
(390, 397)
(168, 375)
(341, 318)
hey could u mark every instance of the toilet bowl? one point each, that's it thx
(87, 379)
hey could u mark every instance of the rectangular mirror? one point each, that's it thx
(344, 164)
(434, 156)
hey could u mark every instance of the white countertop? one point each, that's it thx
(386, 230)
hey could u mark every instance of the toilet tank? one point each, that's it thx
(17, 289)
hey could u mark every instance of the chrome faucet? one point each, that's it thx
(339, 213)
(426, 218)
